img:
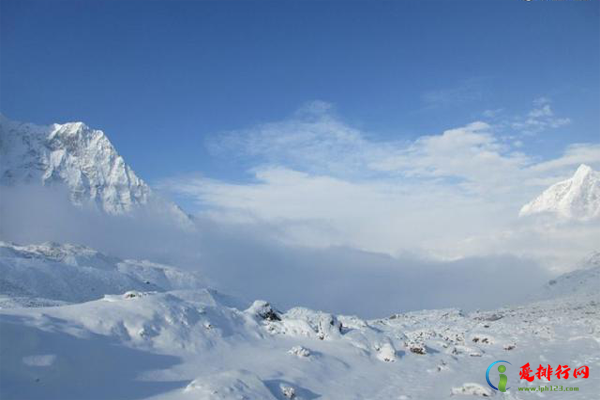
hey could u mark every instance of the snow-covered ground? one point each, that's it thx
(178, 340)
(55, 274)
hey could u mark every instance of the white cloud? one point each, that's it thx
(313, 140)
(323, 183)
(247, 260)
(539, 119)
(320, 143)
(574, 155)
(323, 211)
(471, 153)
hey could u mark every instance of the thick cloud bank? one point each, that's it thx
(250, 261)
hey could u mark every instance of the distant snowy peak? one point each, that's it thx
(575, 198)
(75, 155)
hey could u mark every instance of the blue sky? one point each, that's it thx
(397, 127)
(162, 78)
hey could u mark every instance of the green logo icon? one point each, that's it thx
(503, 379)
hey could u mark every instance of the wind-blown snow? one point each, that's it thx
(576, 198)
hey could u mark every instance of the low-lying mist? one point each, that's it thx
(249, 261)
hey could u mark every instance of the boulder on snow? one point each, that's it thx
(417, 348)
(300, 351)
(288, 391)
(131, 294)
(472, 389)
(386, 352)
(263, 310)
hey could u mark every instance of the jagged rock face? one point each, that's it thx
(576, 198)
(72, 154)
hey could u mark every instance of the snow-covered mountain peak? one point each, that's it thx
(575, 198)
(72, 154)
(582, 171)
(79, 157)
(76, 133)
